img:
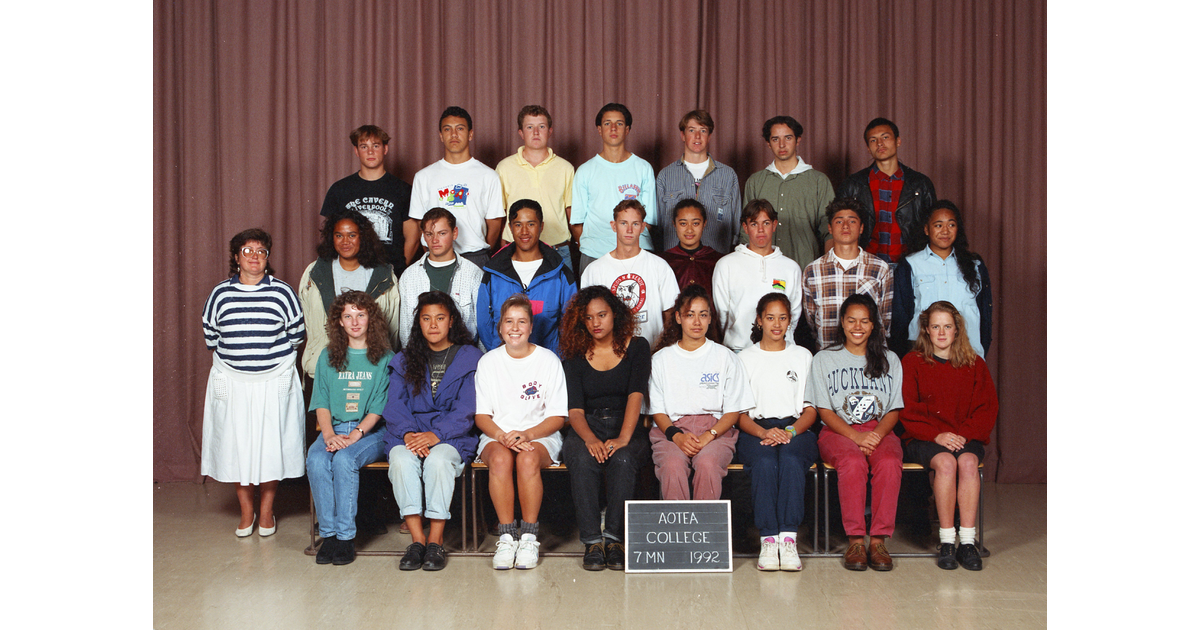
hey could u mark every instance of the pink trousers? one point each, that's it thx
(884, 467)
(671, 465)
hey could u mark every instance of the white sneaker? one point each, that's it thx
(768, 557)
(527, 552)
(789, 558)
(506, 549)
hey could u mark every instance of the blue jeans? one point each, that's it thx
(777, 475)
(333, 478)
(434, 474)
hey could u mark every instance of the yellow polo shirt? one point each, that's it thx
(548, 183)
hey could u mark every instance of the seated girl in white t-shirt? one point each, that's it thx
(698, 388)
(520, 406)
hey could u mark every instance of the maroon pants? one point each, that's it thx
(884, 466)
(671, 465)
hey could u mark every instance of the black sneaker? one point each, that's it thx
(593, 557)
(968, 557)
(946, 557)
(614, 556)
(344, 554)
(413, 557)
(435, 557)
(325, 552)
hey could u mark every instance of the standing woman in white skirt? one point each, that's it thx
(254, 406)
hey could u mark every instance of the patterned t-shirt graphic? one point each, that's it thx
(863, 407)
(630, 288)
(455, 196)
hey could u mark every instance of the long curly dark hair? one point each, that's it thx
(574, 337)
(962, 253)
(371, 253)
(416, 354)
(756, 331)
(377, 331)
(240, 239)
(877, 361)
(673, 331)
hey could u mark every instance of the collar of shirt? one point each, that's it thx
(928, 251)
(837, 260)
(878, 175)
(523, 162)
(237, 279)
(709, 165)
(801, 166)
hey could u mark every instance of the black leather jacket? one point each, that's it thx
(916, 197)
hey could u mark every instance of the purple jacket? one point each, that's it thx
(451, 416)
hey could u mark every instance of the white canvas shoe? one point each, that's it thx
(527, 552)
(506, 550)
(789, 558)
(768, 556)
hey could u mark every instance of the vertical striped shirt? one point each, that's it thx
(253, 327)
(826, 285)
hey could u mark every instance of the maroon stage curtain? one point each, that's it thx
(254, 101)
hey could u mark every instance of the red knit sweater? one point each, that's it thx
(939, 398)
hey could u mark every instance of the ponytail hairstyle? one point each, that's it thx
(756, 331)
(416, 354)
(877, 360)
(962, 254)
(961, 352)
(673, 331)
(378, 343)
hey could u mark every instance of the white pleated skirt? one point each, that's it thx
(253, 424)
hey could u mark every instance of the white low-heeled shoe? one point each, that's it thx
(242, 533)
(267, 531)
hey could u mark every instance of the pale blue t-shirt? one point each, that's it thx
(599, 186)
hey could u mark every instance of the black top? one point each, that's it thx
(384, 202)
(590, 389)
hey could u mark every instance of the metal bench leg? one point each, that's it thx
(463, 522)
(825, 477)
(983, 551)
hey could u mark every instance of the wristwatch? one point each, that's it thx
(714, 432)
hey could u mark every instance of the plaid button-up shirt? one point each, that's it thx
(885, 193)
(826, 285)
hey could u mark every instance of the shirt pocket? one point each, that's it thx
(928, 286)
(720, 210)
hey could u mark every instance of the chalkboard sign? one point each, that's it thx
(677, 536)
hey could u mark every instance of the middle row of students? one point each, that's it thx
(350, 257)
(446, 403)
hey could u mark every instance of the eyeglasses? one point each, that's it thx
(250, 251)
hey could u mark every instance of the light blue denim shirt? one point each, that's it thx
(936, 279)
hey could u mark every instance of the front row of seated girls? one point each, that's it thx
(699, 395)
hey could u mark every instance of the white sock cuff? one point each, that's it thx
(946, 535)
(966, 535)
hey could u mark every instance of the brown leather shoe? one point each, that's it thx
(880, 559)
(856, 557)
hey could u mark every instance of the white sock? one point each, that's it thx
(763, 539)
(966, 535)
(786, 535)
(946, 534)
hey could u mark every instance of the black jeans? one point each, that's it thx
(618, 473)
